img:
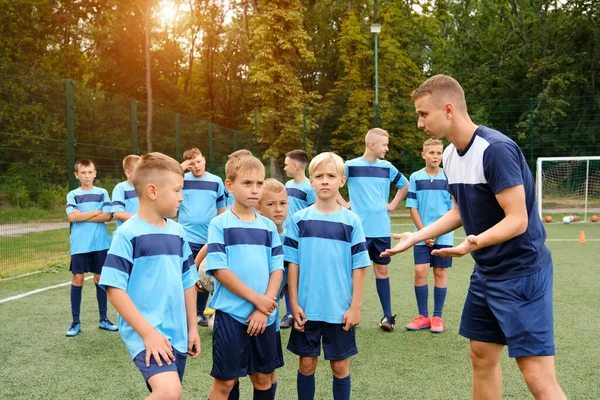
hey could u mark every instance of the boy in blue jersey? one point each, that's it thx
(245, 256)
(510, 294)
(428, 200)
(327, 254)
(300, 195)
(203, 199)
(125, 202)
(369, 178)
(149, 277)
(88, 209)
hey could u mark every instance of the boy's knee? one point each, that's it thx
(77, 279)
(168, 392)
(539, 376)
(308, 365)
(381, 271)
(96, 278)
(440, 273)
(340, 368)
(261, 381)
(421, 271)
(223, 387)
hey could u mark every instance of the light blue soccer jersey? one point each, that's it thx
(430, 196)
(369, 189)
(230, 199)
(124, 198)
(326, 248)
(154, 266)
(251, 250)
(300, 196)
(202, 198)
(283, 283)
(489, 164)
(88, 236)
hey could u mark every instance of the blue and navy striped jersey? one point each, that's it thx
(430, 196)
(88, 236)
(154, 266)
(300, 196)
(369, 189)
(124, 198)
(202, 198)
(326, 248)
(251, 250)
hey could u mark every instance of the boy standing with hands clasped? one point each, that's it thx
(150, 278)
(327, 255)
(245, 256)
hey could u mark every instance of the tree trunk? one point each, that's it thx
(147, 28)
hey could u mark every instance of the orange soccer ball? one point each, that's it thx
(548, 218)
(594, 218)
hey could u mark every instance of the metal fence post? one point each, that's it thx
(211, 161)
(71, 134)
(134, 128)
(531, 130)
(178, 137)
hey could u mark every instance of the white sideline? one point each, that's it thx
(20, 296)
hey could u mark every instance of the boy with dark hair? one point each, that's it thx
(88, 209)
(149, 275)
(203, 199)
(300, 195)
(327, 254)
(245, 256)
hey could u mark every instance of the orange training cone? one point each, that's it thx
(582, 237)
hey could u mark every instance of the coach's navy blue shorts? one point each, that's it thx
(178, 365)
(237, 354)
(516, 312)
(88, 262)
(422, 254)
(195, 247)
(338, 344)
(376, 246)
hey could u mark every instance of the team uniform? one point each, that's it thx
(154, 266)
(229, 199)
(284, 282)
(369, 189)
(510, 294)
(124, 198)
(252, 251)
(326, 248)
(202, 198)
(300, 196)
(430, 196)
(88, 240)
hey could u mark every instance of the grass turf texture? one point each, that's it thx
(39, 362)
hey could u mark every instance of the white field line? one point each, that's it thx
(20, 296)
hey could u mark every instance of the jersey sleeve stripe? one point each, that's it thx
(289, 242)
(277, 251)
(358, 248)
(118, 263)
(215, 248)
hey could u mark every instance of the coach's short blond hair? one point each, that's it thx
(432, 142)
(242, 164)
(324, 158)
(130, 161)
(374, 133)
(272, 185)
(151, 168)
(443, 87)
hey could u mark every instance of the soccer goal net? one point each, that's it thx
(568, 186)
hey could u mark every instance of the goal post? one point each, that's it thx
(568, 185)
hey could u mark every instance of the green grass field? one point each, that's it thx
(39, 362)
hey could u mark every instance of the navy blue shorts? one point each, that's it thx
(515, 312)
(376, 246)
(178, 365)
(237, 354)
(280, 363)
(195, 247)
(422, 254)
(338, 344)
(88, 262)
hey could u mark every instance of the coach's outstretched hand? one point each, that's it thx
(407, 241)
(471, 243)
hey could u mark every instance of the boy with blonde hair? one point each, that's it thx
(327, 254)
(369, 178)
(88, 209)
(300, 195)
(245, 256)
(125, 202)
(235, 154)
(149, 277)
(203, 199)
(428, 200)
